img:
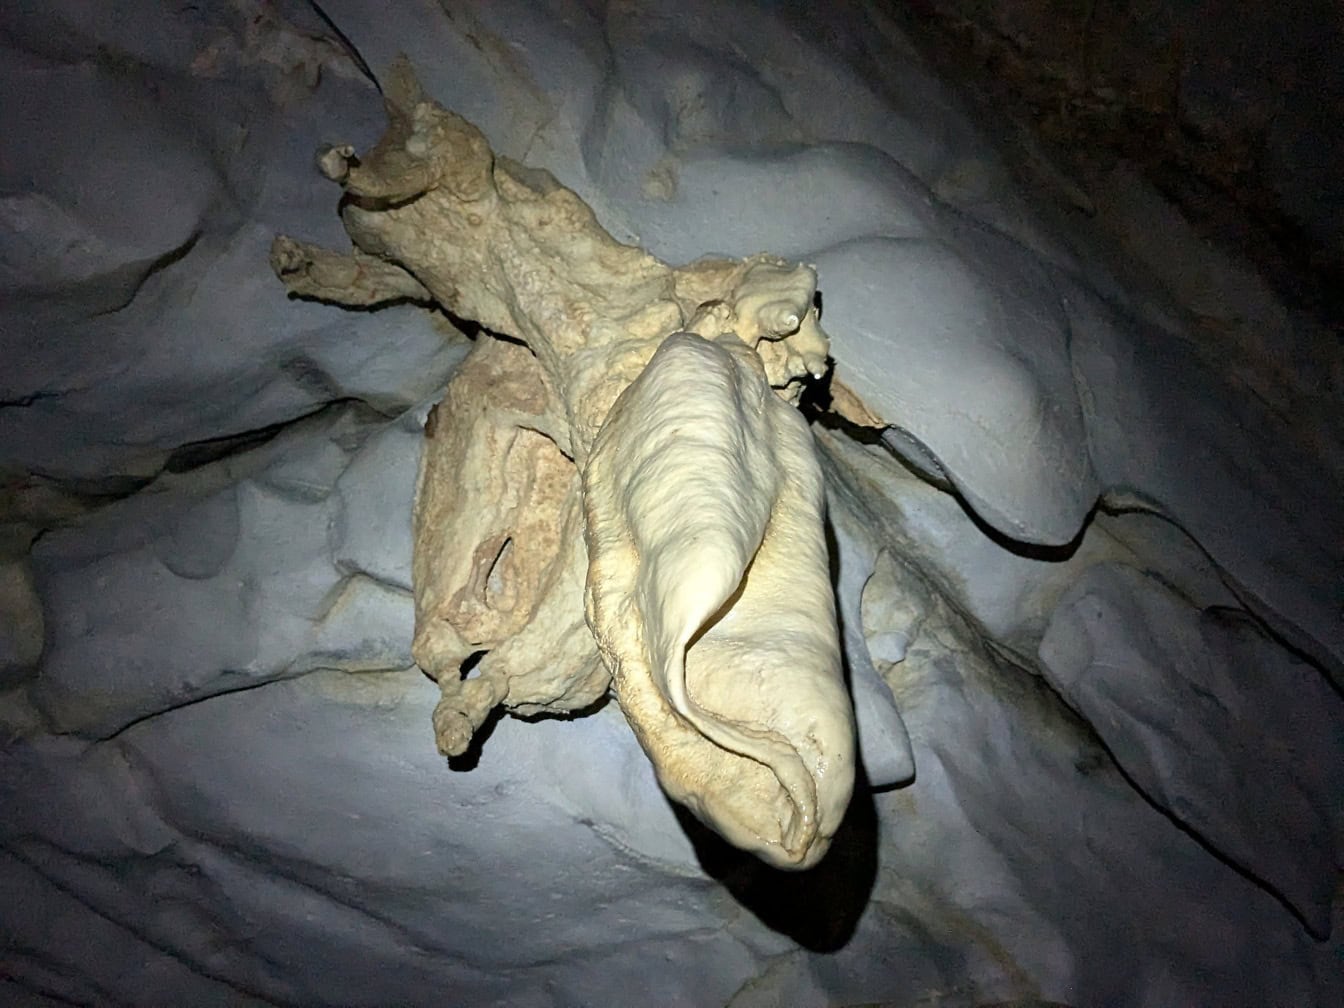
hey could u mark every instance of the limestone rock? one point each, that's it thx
(21, 625)
(1226, 730)
(1016, 448)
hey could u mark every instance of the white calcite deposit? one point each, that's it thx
(1080, 554)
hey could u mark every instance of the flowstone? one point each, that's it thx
(616, 488)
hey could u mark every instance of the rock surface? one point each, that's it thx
(1097, 568)
(1225, 729)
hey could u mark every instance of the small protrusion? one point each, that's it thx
(334, 161)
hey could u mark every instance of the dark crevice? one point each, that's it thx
(350, 48)
(82, 497)
(165, 949)
(16, 953)
(874, 436)
(156, 266)
(223, 690)
(577, 714)
(1044, 552)
(496, 583)
(470, 667)
(195, 454)
(23, 402)
(78, 497)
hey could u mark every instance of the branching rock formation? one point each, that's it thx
(628, 494)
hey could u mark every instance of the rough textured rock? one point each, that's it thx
(164, 334)
(702, 504)
(499, 560)
(252, 552)
(1232, 469)
(1221, 726)
(21, 617)
(249, 809)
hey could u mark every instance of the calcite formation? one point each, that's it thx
(709, 595)
(616, 489)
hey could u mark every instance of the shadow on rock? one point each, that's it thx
(818, 908)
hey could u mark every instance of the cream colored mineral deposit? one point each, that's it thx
(710, 597)
(615, 488)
